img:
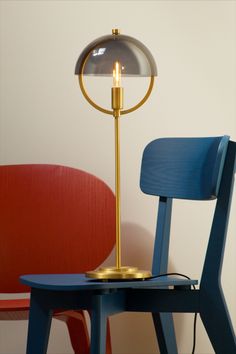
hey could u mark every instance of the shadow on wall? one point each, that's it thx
(134, 332)
(136, 247)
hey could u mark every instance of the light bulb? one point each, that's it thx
(116, 74)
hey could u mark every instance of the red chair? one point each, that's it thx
(53, 219)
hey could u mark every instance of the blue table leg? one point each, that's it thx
(98, 326)
(40, 318)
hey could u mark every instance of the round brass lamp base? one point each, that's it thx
(122, 273)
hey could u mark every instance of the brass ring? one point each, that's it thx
(143, 100)
(104, 110)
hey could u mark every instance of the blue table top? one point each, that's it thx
(68, 282)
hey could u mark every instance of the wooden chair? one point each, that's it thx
(53, 219)
(186, 168)
(191, 168)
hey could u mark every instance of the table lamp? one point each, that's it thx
(117, 56)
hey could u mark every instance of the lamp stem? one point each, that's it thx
(117, 188)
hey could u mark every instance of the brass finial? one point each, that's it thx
(115, 31)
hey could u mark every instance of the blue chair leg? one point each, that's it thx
(98, 326)
(217, 322)
(165, 333)
(40, 319)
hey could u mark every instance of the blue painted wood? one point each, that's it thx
(214, 308)
(187, 168)
(165, 332)
(98, 326)
(156, 295)
(40, 318)
(216, 245)
(104, 304)
(73, 282)
(162, 300)
(162, 237)
(163, 322)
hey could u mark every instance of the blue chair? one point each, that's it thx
(186, 168)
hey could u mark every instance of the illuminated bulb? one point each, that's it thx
(116, 74)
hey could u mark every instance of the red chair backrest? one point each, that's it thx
(53, 219)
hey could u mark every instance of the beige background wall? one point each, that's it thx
(44, 119)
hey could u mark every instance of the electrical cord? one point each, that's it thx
(195, 315)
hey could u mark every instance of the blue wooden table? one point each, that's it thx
(102, 299)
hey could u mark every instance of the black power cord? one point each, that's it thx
(195, 315)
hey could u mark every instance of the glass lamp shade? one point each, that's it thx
(99, 56)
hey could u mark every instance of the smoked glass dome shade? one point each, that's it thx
(98, 58)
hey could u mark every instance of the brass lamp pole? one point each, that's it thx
(116, 55)
(117, 105)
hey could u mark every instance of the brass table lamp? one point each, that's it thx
(116, 55)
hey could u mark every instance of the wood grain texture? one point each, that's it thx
(187, 168)
(53, 219)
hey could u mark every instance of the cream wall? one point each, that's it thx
(44, 119)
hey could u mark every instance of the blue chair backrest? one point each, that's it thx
(190, 168)
(186, 168)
